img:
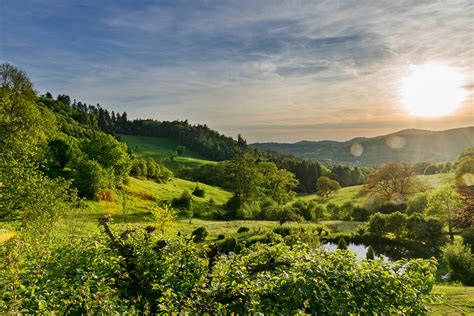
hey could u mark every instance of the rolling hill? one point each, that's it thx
(411, 145)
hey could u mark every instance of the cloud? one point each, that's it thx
(247, 63)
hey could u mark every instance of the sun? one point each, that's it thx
(432, 89)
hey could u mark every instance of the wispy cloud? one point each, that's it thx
(259, 64)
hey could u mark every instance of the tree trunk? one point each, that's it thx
(451, 234)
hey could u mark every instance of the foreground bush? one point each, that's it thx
(140, 272)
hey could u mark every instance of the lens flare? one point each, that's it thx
(356, 150)
(396, 142)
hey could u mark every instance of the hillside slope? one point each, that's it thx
(410, 145)
(162, 148)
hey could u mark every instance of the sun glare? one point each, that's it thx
(432, 89)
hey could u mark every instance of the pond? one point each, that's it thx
(389, 251)
(359, 250)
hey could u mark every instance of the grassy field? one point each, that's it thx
(454, 300)
(353, 193)
(159, 147)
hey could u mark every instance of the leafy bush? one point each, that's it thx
(200, 234)
(89, 178)
(243, 229)
(424, 229)
(460, 262)
(282, 231)
(140, 273)
(341, 244)
(360, 214)
(220, 237)
(185, 201)
(199, 192)
(468, 237)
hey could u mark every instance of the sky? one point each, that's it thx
(270, 70)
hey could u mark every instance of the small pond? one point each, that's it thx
(359, 250)
(390, 252)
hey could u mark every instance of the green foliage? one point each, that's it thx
(417, 204)
(111, 154)
(163, 216)
(325, 186)
(468, 237)
(445, 204)
(180, 150)
(417, 227)
(90, 178)
(200, 234)
(341, 244)
(250, 180)
(370, 255)
(460, 262)
(26, 194)
(199, 192)
(137, 272)
(185, 201)
(150, 169)
(242, 229)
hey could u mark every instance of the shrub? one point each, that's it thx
(370, 255)
(185, 201)
(199, 234)
(220, 237)
(243, 229)
(89, 178)
(282, 231)
(341, 244)
(417, 204)
(460, 262)
(107, 195)
(468, 237)
(199, 192)
(389, 208)
(360, 214)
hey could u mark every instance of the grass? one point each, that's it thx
(229, 228)
(455, 300)
(6, 236)
(353, 193)
(160, 147)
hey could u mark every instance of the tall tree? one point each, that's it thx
(445, 204)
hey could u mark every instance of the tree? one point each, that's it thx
(341, 244)
(26, 194)
(277, 184)
(370, 255)
(89, 177)
(243, 178)
(445, 204)
(325, 186)
(163, 216)
(111, 154)
(393, 181)
(180, 150)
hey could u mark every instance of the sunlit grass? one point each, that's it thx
(455, 300)
(160, 147)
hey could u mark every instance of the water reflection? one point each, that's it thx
(359, 250)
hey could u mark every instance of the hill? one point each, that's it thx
(411, 145)
(161, 147)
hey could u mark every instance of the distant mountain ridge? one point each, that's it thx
(409, 145)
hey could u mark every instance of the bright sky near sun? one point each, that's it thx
(271, 70)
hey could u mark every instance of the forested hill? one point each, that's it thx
(412, 145)
(80, 120)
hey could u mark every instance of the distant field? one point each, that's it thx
(352, 193)
(159, 147)
(455, 300)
